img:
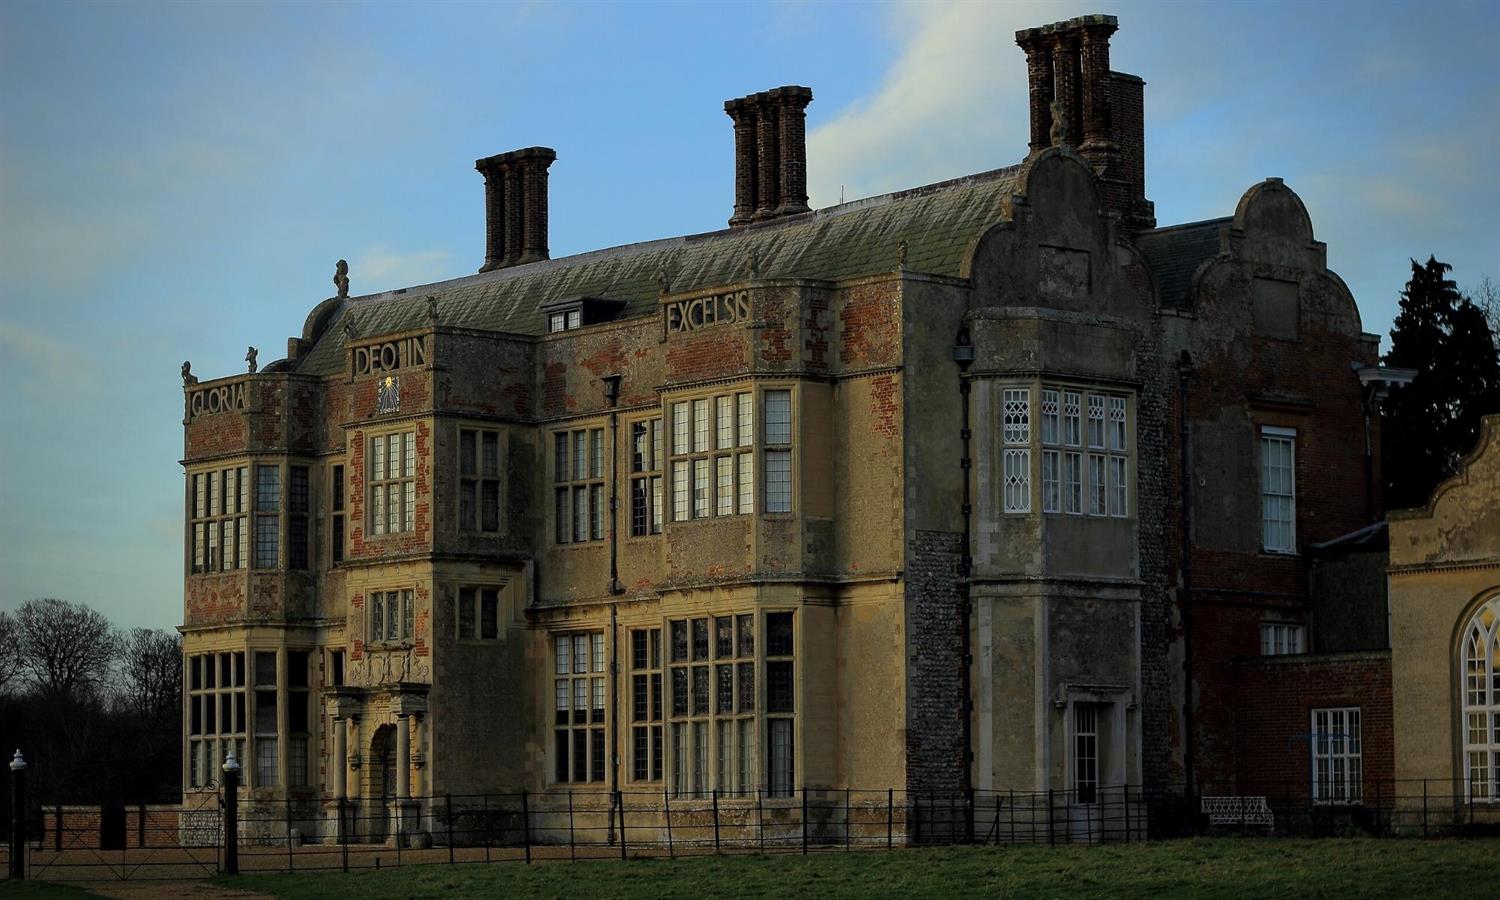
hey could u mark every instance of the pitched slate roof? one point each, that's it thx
(1175, 252)
(938, 223)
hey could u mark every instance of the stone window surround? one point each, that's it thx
(504, 608)
(756, 483)
(478, 478)
(1479, 680)
(592, 485)
(1068, 450)
(1275, 434)
(1112, 729)
(380, 590)
(402, 480)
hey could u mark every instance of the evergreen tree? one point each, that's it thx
(1432, 423)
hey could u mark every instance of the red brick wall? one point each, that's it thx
(1274, 699)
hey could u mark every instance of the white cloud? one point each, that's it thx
(953, 104)
(381, 268)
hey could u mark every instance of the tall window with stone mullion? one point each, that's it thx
(216, 713)
(646, 692)
(645, 477)
(578, 726)
(578, 478)
(781, 705)
(1015, 453)
(393, 484)
(219, 525)
(777, 427)
(712, 461)
(267, 726)
(478, 480)
(267, 516)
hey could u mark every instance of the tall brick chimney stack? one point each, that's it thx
(770, 154)
(515, 206)
(1067, 64)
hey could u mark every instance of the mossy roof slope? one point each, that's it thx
(938, 223)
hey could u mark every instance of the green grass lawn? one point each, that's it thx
(1226, 867)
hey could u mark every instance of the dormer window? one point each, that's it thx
(573, 313)
(564, 320)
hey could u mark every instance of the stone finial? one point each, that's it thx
(663, 281)
(187, 373)
(1059, 132)
(250, 354)
(341, 278)
(350, 332)
(753, 264)
(901, 255)
(432, 313)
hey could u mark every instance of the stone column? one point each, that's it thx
(403, 756)
(339, 764)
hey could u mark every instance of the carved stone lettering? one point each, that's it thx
(221, 398)
(719, 309)
(389, 356)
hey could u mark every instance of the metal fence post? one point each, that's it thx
(291, 865)
(847, 823)
(620, 802)
(344, 831)
(1051, 832)
(1424, 807)
(716, 819)
(666, 799)
(449, 800)
(804, 820)
(18, 817)
(760, 820)
(890, 816)
(231, 830)
(526, 825)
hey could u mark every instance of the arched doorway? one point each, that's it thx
(382, 780)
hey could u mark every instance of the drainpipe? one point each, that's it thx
(1184, 376)
(612, 397)
(963, 355)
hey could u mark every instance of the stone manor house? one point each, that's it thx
(994, 483)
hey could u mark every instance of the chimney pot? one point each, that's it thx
(770, 154)
(515, 194)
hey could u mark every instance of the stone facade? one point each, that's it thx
(885, 495)
(1444, 581)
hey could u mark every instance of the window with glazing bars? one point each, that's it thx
(267, 516)
(646, 750)
(578, 748)
(479, 612)
(645, 477)
(780, 705)
(778, 453)
(1015, 416)
(391, 616)
(712, 458)
(1278, 490)
(219, 527)
(1338, 756)
(578, 479)
(478, 480)
(712, 667)
(392, 473)
(336, 504)
(216, 722)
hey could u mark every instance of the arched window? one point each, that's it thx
(1480, 657)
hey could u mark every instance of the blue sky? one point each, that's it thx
(177, 180)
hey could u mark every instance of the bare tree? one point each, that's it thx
(151, 670)
(10, 651)
(1486, 296)
(65, 648)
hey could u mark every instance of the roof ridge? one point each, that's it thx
(826, 212)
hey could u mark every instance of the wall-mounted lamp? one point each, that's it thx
(963, 349)
(611, 389)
